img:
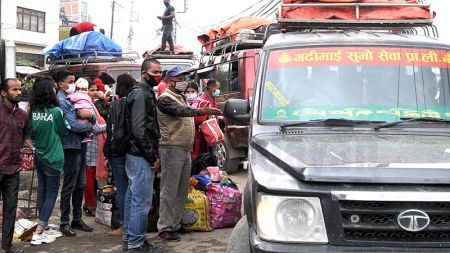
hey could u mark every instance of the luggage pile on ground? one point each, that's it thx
(323, 12)
(214, 201)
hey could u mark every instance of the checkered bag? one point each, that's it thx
(27, 159)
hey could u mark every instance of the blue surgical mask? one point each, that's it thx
(216, 93)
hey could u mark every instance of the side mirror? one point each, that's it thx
(238, 110)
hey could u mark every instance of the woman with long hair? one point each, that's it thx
(48, 125)
(114, 159)
(191, 94)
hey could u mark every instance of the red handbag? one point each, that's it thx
(211, 131)
(27, 159)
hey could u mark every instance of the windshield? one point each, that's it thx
(370, 83)
(135, 73)
(165, 66)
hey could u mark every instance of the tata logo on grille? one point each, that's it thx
(413, 220)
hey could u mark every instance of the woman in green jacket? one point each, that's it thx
(47, 126)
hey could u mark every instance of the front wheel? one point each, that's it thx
(225, 163)
(239, 241)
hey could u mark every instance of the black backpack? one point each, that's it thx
(118, 117)
(202, 162)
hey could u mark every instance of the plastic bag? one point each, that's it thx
(225, 205)
(196, 213)
(105, 201)
(23, 229)
(203, 181)
(80, 44)
(214, 173)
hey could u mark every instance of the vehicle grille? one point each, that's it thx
(377, 221)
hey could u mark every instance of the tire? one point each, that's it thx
(239, 239)
(225, 163)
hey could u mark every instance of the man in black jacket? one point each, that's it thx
(142, 157)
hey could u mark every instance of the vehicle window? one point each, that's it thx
(170, 66)
(135, 73)
(229, 77)
(379, 84)
(234, 77)
(203, 78)
(224, 77)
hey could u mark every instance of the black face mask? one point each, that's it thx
(151, 80)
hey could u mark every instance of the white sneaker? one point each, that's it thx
(53, 232)
(39, 239)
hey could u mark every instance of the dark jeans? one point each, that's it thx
(48, 186)
(121, 180)
(167, 36)
(9, 187)
(73, 183)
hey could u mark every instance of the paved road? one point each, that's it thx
(199, 242)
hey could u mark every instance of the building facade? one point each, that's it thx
(28, 26)
(73, 11)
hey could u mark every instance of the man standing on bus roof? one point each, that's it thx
(167, 26)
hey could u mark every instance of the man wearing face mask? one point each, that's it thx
(176, 124)
(141, 158)
(74, 177)
(212, 91)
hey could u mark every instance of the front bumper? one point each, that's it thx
(259, 246)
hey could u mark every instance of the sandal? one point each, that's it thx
(13, 250)
(89, 211)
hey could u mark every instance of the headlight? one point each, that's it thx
(290, 219)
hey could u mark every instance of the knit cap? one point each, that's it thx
(82, 83)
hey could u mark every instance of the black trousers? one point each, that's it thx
(73, 184)
(9, 187)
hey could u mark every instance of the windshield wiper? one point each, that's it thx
(328, 122)
(403, 120)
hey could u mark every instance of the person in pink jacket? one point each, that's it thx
(82, 101)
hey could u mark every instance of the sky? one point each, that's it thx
(198, 17)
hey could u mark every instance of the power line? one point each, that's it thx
(262, 9)
(271, 9)
(238, 14)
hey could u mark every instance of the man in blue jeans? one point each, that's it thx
(74, 178)
(142, 157)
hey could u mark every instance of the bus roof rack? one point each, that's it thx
(229, 45)
(357, 23)
(226, 44)
(84, 57)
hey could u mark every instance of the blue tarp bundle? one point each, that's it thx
(88, 41)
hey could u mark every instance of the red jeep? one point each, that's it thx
(233, 64)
